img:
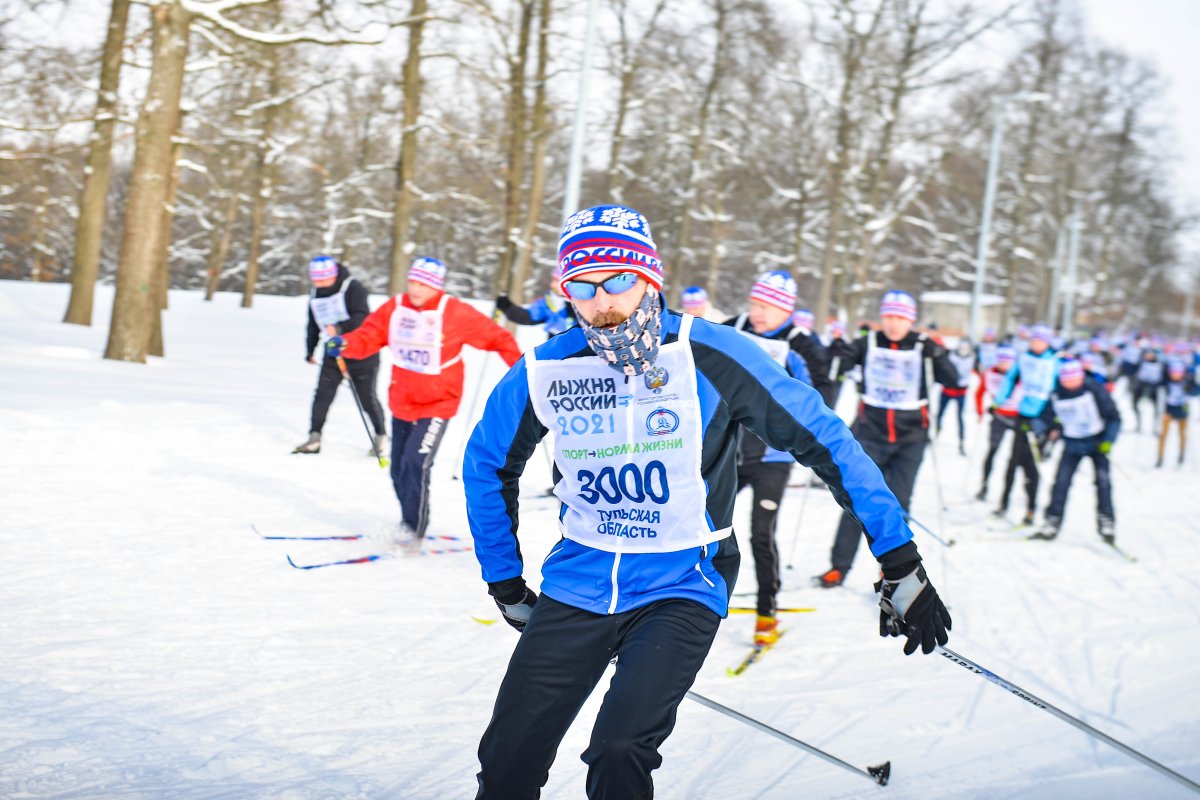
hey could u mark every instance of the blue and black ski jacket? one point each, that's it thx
(738, 385)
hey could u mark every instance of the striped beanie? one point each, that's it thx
(1042, 332)
(694, 298)
(803, 318)
(1092, 362)
(1005, 355)
(1176, 369)
(899, 304)
(776, 288)
(608, 239)
(322, 268)
(428, 271)
(1070, 369)
(837, 328)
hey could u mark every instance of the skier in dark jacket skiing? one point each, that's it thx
(769, 324)
(1082, 412)
(337, 305)
(893, 413)
(643, 406)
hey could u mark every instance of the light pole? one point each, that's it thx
(989, 200)
(575, 161)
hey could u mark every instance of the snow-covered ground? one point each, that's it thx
(152, 646)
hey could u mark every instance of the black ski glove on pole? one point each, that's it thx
(911, 607)
(515, 601)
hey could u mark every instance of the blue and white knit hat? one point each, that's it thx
(694, 298)
(1070, 369)
(607, 239)
(803, 318)
(776, 288)
(899, 304)
(1005, 354)
(428, 271)
(322, 268)
(1043, 332)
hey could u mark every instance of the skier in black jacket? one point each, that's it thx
(338, 305)
(893, 414)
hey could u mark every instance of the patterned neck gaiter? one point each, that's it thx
(631, 346)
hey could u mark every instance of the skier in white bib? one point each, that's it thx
(338, 304)
(893, 414)
(643, 406)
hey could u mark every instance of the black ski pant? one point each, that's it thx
(899, 463)
(557, 663)
(1141, 391)
(768, 479)
(960, 400)
(1022, 456)
(363, 372)
(1066, 471)
(414, 446)
(1000, 425)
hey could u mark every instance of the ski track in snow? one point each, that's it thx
(154, 646)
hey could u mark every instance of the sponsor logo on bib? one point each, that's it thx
(662, 422)
(656, 378)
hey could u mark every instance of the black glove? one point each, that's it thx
(503, 303)
(515, 601)
(911, 607)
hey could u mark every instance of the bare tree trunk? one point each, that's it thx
(262, 186)
(540, 134)
(92, 200)
(856, 47)
(222, 237)
(683, 225)
(1112, 201)
(406, 164)
(135, 303)
(162, 273)
(630, 62)
(1029, 144)
(515, 172)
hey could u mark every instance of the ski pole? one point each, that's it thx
(877, 774)
(341, 362)
(1012, 688)
(799, 519)
(913, 520)
(462, 449)
(934, 427)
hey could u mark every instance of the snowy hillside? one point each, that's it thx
(153, 646)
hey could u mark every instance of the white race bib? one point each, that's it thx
(995, 383)
(415, 338)
(1037, 375)
(1150, 372)
(987, 355)
(332, 309)
(1079, 416)
(629, 451)
(892, 377)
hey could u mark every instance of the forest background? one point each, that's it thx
(219, 144)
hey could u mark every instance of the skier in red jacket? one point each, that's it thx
(425, 330)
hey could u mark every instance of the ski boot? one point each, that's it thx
(1106, 527)
(766, 631)
(982, 496)
(830, 579)
(1000, 512)
(962, 448)
(406, 541)
(1158, 464)
(1027, 520)
(313, 445)
(380, 440)
(1049, 529)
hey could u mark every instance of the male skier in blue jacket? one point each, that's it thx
(643, 406)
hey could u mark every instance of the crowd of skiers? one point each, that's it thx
(710, 403)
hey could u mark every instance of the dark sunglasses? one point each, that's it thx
(585, 290)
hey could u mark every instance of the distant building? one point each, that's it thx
(951, 312)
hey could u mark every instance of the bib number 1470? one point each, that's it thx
(632, 482)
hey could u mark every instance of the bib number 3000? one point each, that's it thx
(631, 482)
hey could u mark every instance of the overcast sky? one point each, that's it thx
(1167, 33)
